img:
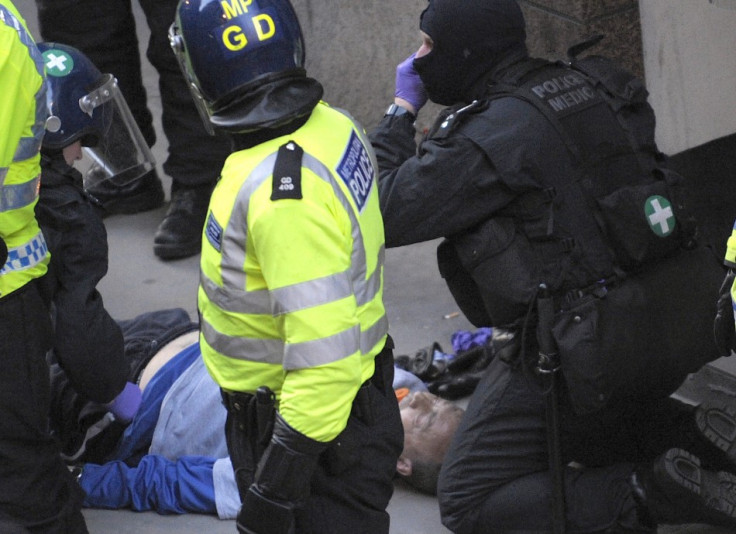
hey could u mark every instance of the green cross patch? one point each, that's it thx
(58, 63)
(660, 216)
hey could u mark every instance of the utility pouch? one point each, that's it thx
(491, 272)
(640, 337)
(248, 430)
(647, 221)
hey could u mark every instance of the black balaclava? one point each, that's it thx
(470, 38)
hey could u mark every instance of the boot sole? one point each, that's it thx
(716, 491)
(716, 420)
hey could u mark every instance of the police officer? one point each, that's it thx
(293, 326)
(36, 489)
(89, 117)
(546, 181)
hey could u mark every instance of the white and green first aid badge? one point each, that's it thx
(58, 63)
(660, 216)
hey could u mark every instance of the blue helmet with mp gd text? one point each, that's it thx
(230, 48)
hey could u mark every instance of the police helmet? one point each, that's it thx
(229, 48)
(71, 79)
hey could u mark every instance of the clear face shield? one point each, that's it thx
(177, 45)
(121, 155)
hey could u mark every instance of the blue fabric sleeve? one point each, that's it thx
(155, 484)
(137, 436)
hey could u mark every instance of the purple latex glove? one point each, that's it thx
(463, 340)
(409, 85)
(126, 404)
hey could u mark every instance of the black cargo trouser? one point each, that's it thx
(353, 482)
(36, 488)
(496, 478)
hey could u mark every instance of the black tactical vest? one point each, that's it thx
(604, 208)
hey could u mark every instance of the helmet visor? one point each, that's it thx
(121, 154)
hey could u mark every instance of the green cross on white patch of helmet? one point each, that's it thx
(660, 216)
(58, 63)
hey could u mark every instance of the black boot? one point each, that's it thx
(677, 490)
(180, 233)
(142, 195)
(715, 418)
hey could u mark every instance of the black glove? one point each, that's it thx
(724, 328)
(422, 362)
(453, 387)
(281, 482)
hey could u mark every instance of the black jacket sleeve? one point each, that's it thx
(445, 187)
(88, 343)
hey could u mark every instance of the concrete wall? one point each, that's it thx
(354, 47)
(690, 63)
(683, 48)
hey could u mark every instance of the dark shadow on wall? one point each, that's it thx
(710, 170)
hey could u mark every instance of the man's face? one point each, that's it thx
(429, 423)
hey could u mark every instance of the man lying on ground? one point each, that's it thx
(172, 457)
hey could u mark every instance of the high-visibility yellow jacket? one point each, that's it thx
(291, 288)
(730, 262)
(23, 112)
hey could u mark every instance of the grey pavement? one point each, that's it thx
(419, 307)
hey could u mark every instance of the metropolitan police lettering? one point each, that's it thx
(247, 27)
(565, 93)
(356, 170)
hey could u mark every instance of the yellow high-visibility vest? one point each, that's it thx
(23, 113)
(730, 262)
(291, 282)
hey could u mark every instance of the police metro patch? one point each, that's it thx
(213, 231)
(356, 170)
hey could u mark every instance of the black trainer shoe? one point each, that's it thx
(681, 492)
(716, 420)
(180, 233)
(143, 195)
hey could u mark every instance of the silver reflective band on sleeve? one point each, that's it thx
(311, 293)
(321, 351)
(371, 337)
(236, 300)
(243, 348)
(26, 256)
(27, 148)
(16, 196)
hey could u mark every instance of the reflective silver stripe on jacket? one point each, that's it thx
(15, 196)
(26, 256)
(243, 348)
(233, 298)
(29, 146)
